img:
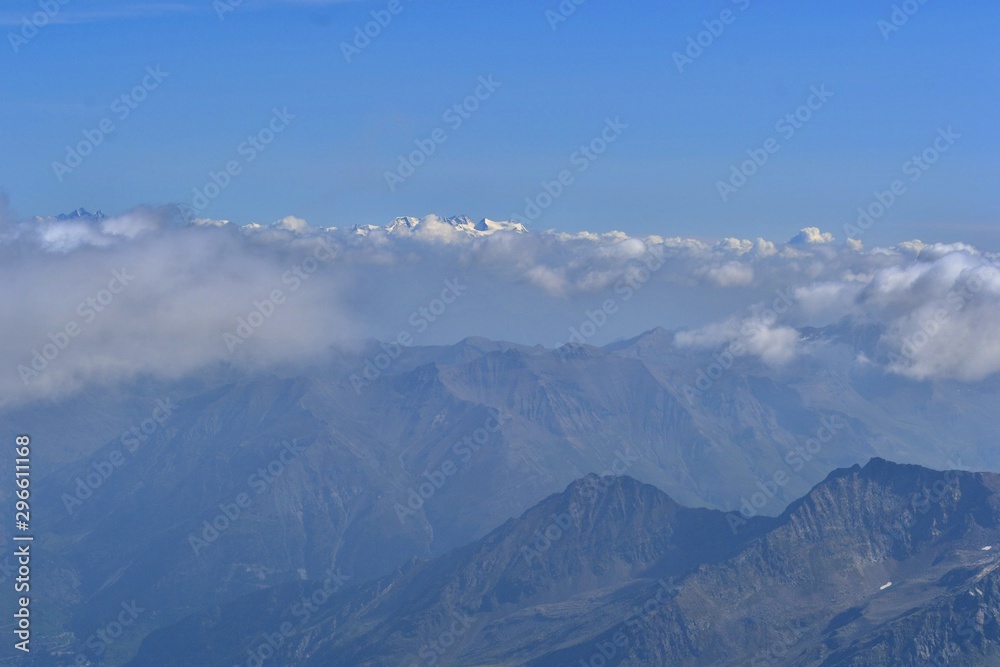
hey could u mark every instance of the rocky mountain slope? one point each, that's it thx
(252, 483)
(884, 564)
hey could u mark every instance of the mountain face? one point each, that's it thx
(885, 564)
(246, 486)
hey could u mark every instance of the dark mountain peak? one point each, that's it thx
(881, 471)
(81, 214)
(578, 352)
(479, 343)
(571, 567)
(465, 351)
(879, 462)
(900, 476)
(591, 491)
(878, 472)
(654, 335)
(655, 338)
(617, 518)
(623, 484)
(839, 473)
(892, 510)
(880, 467)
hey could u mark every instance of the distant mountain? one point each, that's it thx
(882, 565)
(78, 214)
(460, 223)
(362, 465)
(81, 213)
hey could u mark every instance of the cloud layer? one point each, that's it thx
(151, 293)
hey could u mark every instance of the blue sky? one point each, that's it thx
(892, 93)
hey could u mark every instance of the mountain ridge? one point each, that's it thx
(572, 605)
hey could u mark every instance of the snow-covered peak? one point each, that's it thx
(488, 226)
(432, 223)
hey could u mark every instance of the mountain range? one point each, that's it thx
(884, 564)
(189, 497)
(462, 223)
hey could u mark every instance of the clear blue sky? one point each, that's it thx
(609, 59)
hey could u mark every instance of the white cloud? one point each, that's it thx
(730, 274)
(774, 345)
(292, 224)
(812, 235)
(193, 281)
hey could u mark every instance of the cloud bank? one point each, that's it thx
(152, 293)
